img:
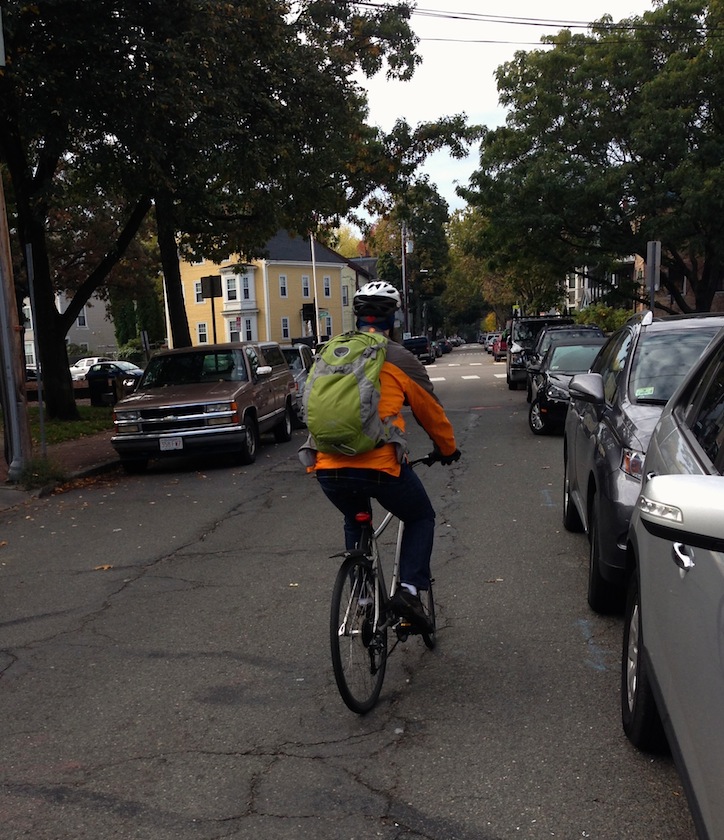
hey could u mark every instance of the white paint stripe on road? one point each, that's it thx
(437, 379)
(474, 376)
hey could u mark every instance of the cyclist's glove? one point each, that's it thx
(446, 460)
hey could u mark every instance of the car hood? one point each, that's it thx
(560, 380)
(638, 423)
(183, 394)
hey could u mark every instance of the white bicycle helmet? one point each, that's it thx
(376, 298)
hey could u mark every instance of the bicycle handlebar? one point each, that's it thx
(428, 460)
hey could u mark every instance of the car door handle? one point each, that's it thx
(680, 556)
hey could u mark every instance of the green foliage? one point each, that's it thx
(42, 472)
(613, 139)
(112, 109)
(607, 318)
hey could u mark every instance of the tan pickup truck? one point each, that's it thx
(214, 398)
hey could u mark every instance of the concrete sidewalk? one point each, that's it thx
(85, 456)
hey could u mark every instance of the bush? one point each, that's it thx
(605, 317)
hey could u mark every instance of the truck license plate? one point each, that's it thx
(169, 444)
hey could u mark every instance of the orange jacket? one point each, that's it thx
(403, 381)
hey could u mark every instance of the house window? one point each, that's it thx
(82, 320)
(285, 328)
(283, 285)
(345, 295)
(245, 287)
(328, 326)
(202, 333)
(198, 293)
(305, 286)
(248, 333)
(327, 287)
(232, 288)
(234, 329)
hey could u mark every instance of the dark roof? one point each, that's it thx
(283, 247)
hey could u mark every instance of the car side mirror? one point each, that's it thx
(263, 370)
(587, 387)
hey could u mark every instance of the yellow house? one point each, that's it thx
(279, 298)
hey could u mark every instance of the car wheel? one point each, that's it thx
(639, 715)
(512, 386)
(603, 597)
(283, 429)
(571, 519)
(251, 441)
(134, 466)
(536, 419)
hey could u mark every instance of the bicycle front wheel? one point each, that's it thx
(428, 604)
(359, 650)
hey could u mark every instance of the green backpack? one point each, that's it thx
(342, 394)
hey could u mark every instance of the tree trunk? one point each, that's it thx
(57, 383)
(179, 325)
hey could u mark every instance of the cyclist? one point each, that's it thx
(350, 481)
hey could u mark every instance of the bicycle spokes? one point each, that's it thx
(358, 640)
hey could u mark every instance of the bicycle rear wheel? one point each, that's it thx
(428, 604)
(359, 651)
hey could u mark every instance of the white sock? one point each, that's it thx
(410, 588)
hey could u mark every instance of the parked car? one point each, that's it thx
(490, 340)
(612, 412)
(524, 332)
(213, 398)
(422, 347)
(300, 360)
(437, 348)
(500, 347)
(672, 665)
(550, 379)
(79, 369)
(109, 382)
(549, 335)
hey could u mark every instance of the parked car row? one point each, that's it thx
(643, 467)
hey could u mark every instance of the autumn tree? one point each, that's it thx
(613, 138)
(228, 119)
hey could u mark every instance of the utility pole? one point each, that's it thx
(653, 269)
(12, 357)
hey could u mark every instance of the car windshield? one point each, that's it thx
(572, 358)
(663, 359)
(194, 368)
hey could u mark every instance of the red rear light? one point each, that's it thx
(363, 518)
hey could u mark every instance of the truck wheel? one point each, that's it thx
(134, 466)
(283, 429)
(251, 441)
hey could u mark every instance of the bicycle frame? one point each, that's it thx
(362, 615)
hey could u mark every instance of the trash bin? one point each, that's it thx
(102, 388)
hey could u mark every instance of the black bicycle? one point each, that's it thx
(362, 614)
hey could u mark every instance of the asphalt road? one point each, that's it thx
(166, 672)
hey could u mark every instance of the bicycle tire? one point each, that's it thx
(359, 653)
(428, 604)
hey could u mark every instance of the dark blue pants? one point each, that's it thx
(350, 491)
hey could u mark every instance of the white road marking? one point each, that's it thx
(475, 376)
(437, 379)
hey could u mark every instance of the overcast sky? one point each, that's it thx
(462, 44)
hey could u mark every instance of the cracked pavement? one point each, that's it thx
(165, 670)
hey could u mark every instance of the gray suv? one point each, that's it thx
(207, 399)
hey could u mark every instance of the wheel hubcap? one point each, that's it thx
(632, 658)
